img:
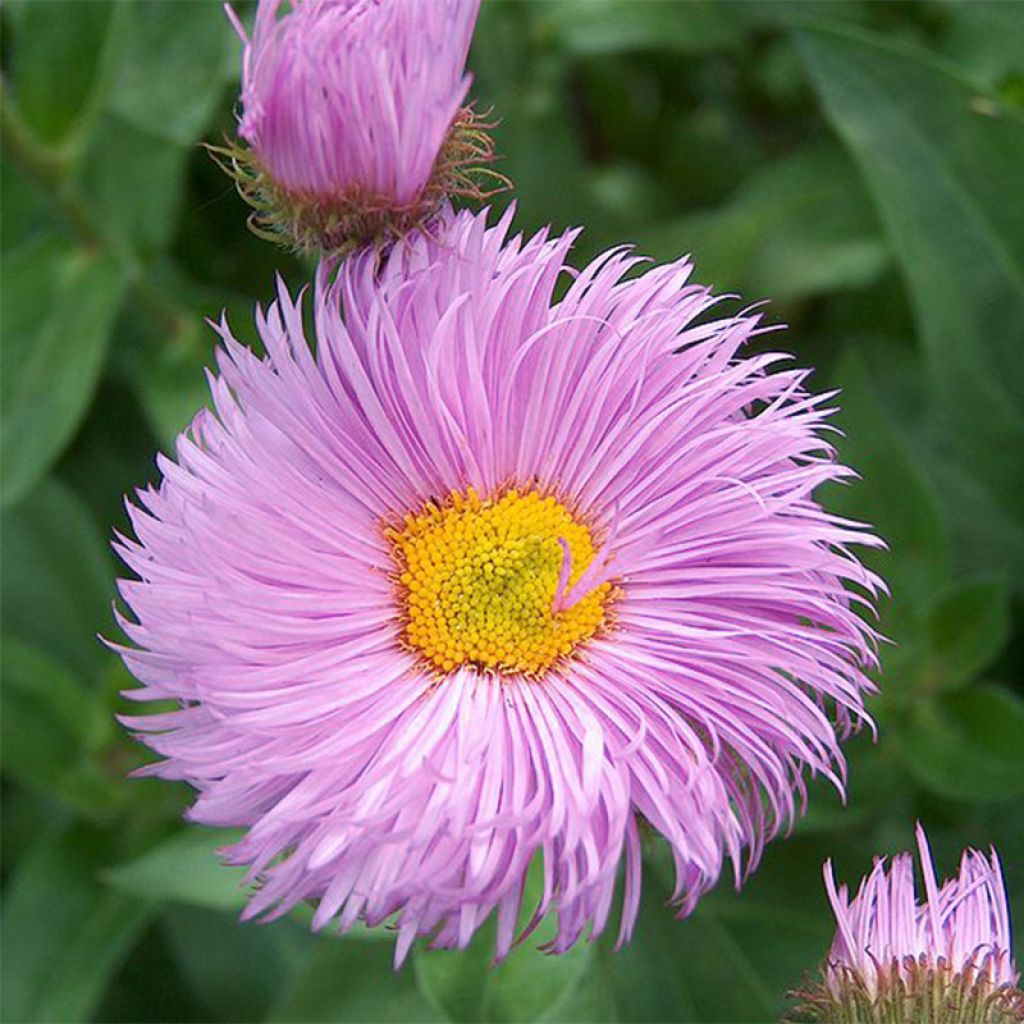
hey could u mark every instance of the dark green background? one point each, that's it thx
(861, 165)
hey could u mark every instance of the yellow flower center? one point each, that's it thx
(478, 582)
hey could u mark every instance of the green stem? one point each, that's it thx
(51, 170)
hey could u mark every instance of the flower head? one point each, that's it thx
(354, 120)
(490, 577)
(895, 959)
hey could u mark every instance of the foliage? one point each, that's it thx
(859, 164)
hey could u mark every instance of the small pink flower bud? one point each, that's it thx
(354, 127)
(894, 959)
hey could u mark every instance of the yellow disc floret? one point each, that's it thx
(478, 579)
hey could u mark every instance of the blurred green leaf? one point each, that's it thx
(985, 534)
(186, 869)
(877, 786)
(25, 209)
(236, 969)
(57, 579)
(52, 730)
(968, 628)
(736, 956)
(986, 38)
(171, 380)
(168, 373)
(62, 48)
(134, 169)
(196, 52)
(627, 195)
(345, 981)
(59, 309)
(704, 945)
(966, 745)
(537, 140)
(456, 981)
(592, 999)
(529, 985)
(944, 163)
(112, 456)
(134, 177)
(598, 27)
(64, 935)
(778, 14)
(800, 227)
(646, 976)
(893, 494)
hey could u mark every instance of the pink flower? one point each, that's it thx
(354, 116)
(492, 576)
(894, 954)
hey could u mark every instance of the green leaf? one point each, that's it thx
(529, 985)
(968, 628)
(944, 162)
(354, 982)
(52, 731)
(986, 39)
(800, 227)
(966, 745)
(169, 372)
(134, 168)
(601, 27)
(736, 956)
(59, 308)
(25, 209)
(236, 969)
(592, 1000)
(61, 49)
(456, 981)
(985, 534)
(57, 579)
(135, 178)
(706, 944)
(893, 494)
(538, 139)
(64, 934)
(186, 869)
(646, 976)
(197, 53)
(171, 380)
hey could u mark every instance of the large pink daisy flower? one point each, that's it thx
(491, 576)
(354, 118)
(894, 958)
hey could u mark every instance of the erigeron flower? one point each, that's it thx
(488, 577)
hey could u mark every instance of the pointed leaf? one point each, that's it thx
(57, 579)
(943, 161)
(968, 628)
(345, 982)
(967, 745)
(64, 934)
(60, 304)
(59, 71)
(52, 730)
(187, 869)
